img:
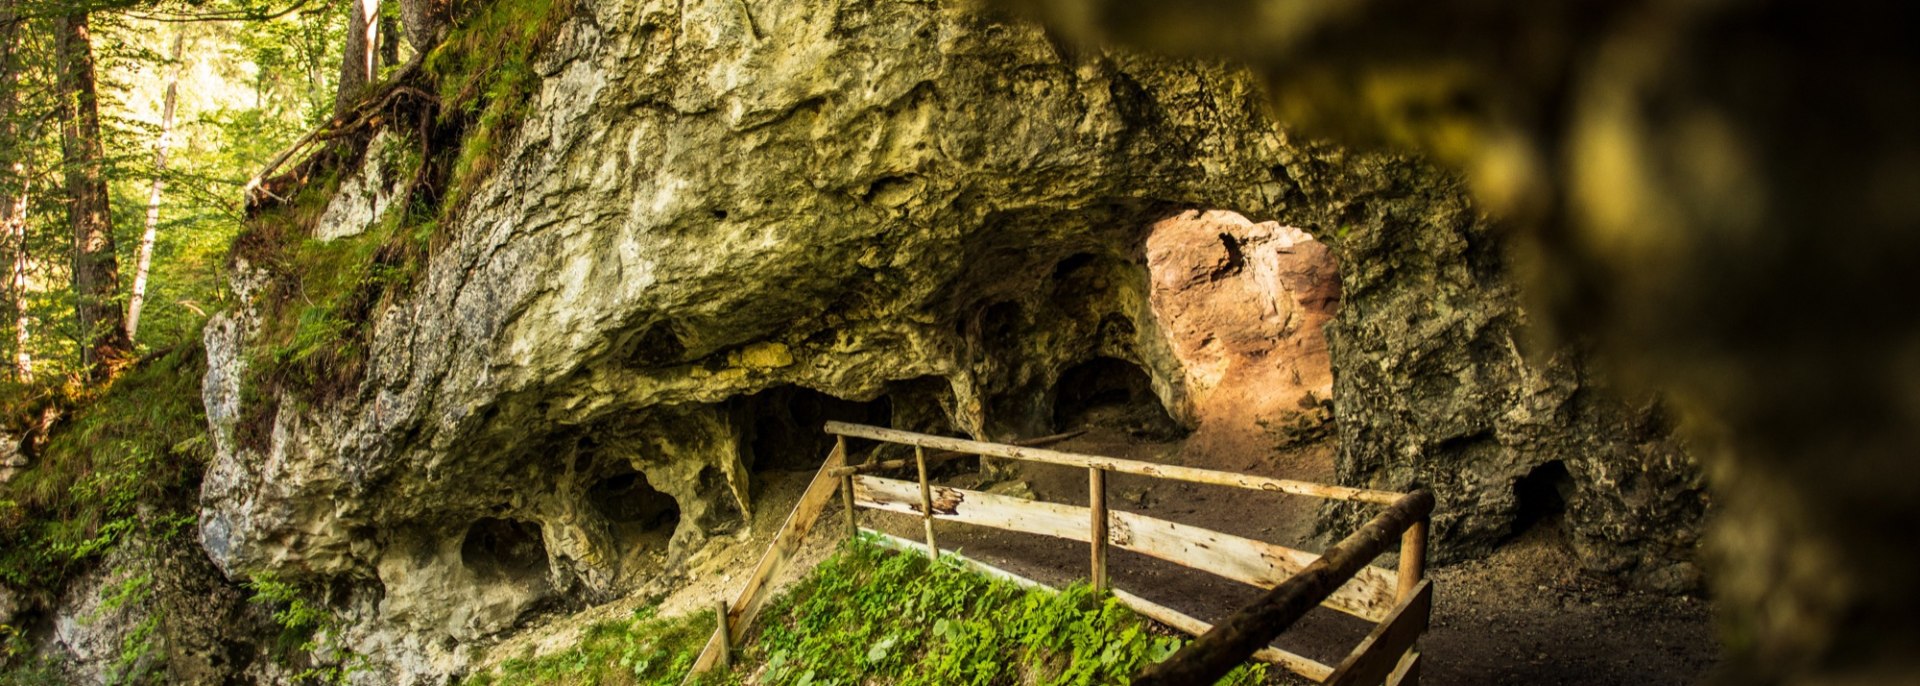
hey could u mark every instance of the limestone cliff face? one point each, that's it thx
(721, 210)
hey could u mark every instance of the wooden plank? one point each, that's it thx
(1408, 673)
(806, 511)
(1380, 653)
(1097, 502)
(1235, 638)
(709, 656)
(918, 548)
(1164, 471)
(1298, 664)
(1413, 558)
(980, 509)
(1369, 594)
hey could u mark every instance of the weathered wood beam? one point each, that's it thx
(1234, 640)
(1384, 649)
(944, 455)
(1097, 504)
(1298, 664)
(1368, 595)
(1164, 471)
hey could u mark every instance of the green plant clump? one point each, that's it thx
(309, 634)
(485, 74)
(870, 615)
(643, 650)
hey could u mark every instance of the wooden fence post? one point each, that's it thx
(1413, 558)
(722, 633)
(1097, 503)
(846, 492)
(926, 502)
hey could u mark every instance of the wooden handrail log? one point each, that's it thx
(944, 455)
(1165, 471)
(1232, 641)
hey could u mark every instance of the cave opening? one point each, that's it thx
(786, 426)
(1541, 497)
(1244, 307)
(505, 550)
(1109, 392)
(639, 514)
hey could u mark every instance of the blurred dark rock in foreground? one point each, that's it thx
(1722, 195)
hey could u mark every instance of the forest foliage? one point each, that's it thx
(193, 98)
(94, 459)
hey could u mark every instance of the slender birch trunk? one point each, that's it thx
(138, 298)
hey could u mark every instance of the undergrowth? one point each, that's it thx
(107, 466)
(485, 74)
(868, 615)
(128, 460)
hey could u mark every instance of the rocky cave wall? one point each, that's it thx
(718, 202)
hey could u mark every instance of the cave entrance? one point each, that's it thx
(1109, 392)
(786, 426)
(1244, 306)
(639, 515)
(505, 550)
(1540, 498)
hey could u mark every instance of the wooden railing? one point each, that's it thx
(1399, 602)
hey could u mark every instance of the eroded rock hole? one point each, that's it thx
(1541, 497)
(724, 514)
(1110, 392)
(634, 507)
(787, 422)
(505, 550)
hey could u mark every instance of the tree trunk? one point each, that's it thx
(17, 281)
(96, 270)
(138, 298)
(389, 35)
(356, 61)
(13, 186)
(425, 20)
